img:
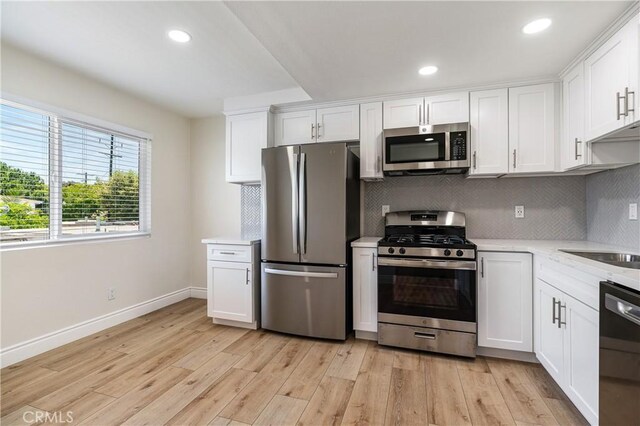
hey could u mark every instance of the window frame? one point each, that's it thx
(56, 116)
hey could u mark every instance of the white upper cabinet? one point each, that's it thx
(403, 113)
(246, 135)
(489, 122)
(505, 295)
(371, 141)
(611, 83)
(572, 146)
(295, 128)
(532, 128)
(338, 124)
(445, 109)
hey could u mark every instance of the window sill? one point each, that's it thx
(73, 240)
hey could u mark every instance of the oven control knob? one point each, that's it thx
(459, 253)
(402, 250)
(391, 250)
(447, 252)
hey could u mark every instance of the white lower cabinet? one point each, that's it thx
(365, 289)
(505, 318)
(233, 285)
(566, 344)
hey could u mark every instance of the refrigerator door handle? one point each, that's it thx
(302, 202)
(293, 172)
(301, 273)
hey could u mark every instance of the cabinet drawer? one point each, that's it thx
(229, 253)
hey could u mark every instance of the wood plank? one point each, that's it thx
(203, 324)
(185, 342)
(484, 400)
(478, 364)
(282, 410)
(136, 399)
(22, 416)
(206, 406)
(565, 412)
(406, 404)
(367, 404)
(179, 396)
(249, 403)
(304, 380)
(29, 375)
(220, 421)
(262, 353)
(25, 395)
(520, 395)
(82, 407)
(248, 342)
(446, 403)
(348, 359)
(206, 352)
(544, 383)
(328, 403)
(407, 360)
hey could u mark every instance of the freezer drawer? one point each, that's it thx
(304, 300)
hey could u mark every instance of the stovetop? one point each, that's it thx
(426, 240)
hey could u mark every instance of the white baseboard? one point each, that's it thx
(198, 292)
(38, 345)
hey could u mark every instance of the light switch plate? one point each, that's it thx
(385, 209)
(519, 212)
(633, 211)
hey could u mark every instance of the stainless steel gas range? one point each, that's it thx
(427, 283)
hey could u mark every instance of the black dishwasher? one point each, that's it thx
(619, 355)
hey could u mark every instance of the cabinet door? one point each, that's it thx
(489, 121)
(608, 71)
(449, 108)
(246, 135)
(532, 129)
(371, 141)
(572, 151)
(403, 113)
(581, 347)
(294, 128)
(505, 293)
(548, 336)
(365, 289)
(338, 124)
(230, 291)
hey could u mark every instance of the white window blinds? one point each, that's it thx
(64, 179)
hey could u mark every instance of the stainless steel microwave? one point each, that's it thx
(426, 150)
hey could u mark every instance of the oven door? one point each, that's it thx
(433, 293)
(414, 152)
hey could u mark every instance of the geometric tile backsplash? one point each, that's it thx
(250, 211)
(608, 196)
(554, 206)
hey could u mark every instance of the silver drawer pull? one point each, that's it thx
(231, 253)
(420, 335)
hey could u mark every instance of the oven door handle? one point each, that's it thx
(427, 263)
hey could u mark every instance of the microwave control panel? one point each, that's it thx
(458, 141)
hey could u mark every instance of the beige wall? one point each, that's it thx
(46, 289)
(215, 204)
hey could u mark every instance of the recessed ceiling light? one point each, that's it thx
(536, 26)
(179, 36)
(431, 69)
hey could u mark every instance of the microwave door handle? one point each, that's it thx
(447, 146)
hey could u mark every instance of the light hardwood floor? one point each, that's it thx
(174, 366)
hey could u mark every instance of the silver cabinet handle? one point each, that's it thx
(560, 307)
(626, 101)
(618, 99)
(553, 311)
(419, 115)
(373, 262)
(379, 164)
(475, 164)
(426, 121)
(312, 127)
(302, 203)
(482, 267)
(429, 336)
(577, 154)
(247, 280)
(318, 130)
(230, 253)
(514, 158)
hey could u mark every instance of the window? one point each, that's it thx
(62, 179)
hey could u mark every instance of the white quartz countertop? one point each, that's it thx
(366, 242)
(230, 240)
(551, 249)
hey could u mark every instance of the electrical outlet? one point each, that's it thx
(633, 211)
(385, 209)
(519, 212)
(111, 293)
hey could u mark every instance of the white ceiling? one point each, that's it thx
(125, 45)
(332, 50)
(341, 50)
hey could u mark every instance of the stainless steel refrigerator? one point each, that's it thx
(310, 214)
